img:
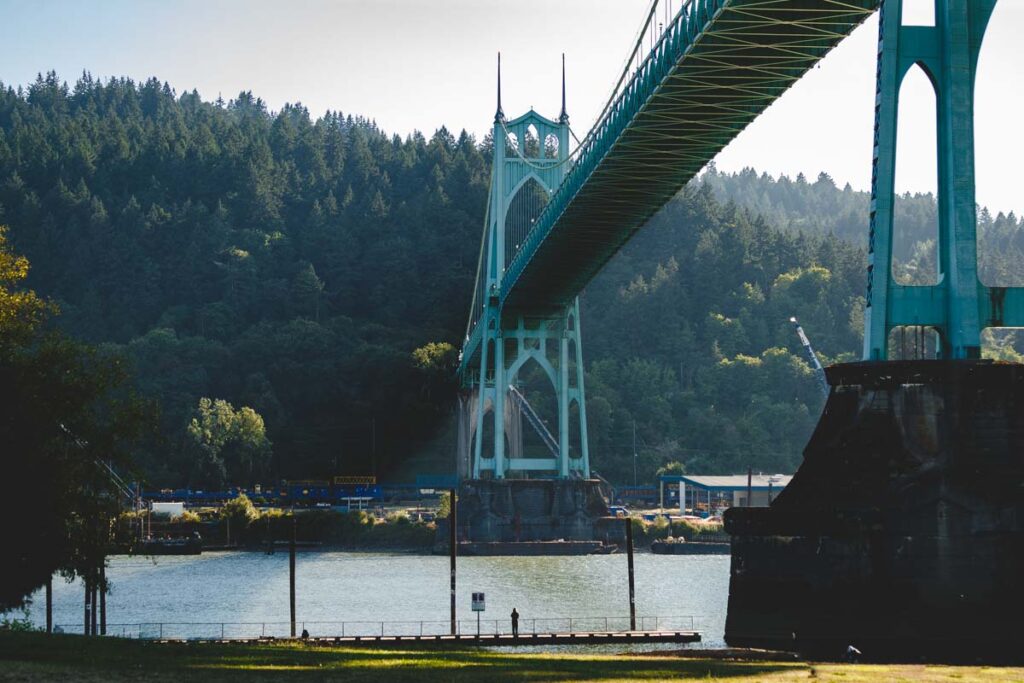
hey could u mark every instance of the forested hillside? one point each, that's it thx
(305, 275)
(819, 207)
(273, 261)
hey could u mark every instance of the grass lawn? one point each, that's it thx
(37, 657)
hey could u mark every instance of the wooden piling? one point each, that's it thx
(85, 620)
(93, 627)
(452, 552)
(629, 561)
(291, 573)
(49, 604)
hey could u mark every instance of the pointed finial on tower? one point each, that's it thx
(564, 116)
(499, 115)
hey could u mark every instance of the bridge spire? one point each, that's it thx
(499, 115)
(564, 116)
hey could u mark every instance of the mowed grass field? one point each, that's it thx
(37, 657)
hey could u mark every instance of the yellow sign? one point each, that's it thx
(369, 481)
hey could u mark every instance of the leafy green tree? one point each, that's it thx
(229, 445)
(674, 467)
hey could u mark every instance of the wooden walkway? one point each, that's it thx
(486, 639)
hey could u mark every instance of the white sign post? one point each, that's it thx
(478, 607)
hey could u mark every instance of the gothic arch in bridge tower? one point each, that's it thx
(997, 110)
(915, 253)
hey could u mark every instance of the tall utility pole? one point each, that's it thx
(452, 545)
(94, 623)
(103, 596)
(88, 589)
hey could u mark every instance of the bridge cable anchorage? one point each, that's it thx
(534, 419)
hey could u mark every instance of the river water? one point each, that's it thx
(248, 593)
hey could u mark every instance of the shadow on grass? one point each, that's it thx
(301, 662)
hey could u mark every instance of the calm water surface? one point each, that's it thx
(252, 587)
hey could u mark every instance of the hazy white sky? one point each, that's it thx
(418, 64)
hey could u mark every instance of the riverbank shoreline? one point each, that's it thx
(309, 548)
(40, 657)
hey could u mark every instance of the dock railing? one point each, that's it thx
(371, 629)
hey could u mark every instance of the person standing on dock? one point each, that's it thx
(515, 623)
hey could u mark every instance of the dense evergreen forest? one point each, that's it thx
(284, 287)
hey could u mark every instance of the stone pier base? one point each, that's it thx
(901, 533)
(510, 510)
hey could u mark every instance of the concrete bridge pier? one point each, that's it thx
(902, 533)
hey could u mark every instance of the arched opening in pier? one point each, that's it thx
(573, 379)
(523, 210)
(915, 235)
(575, 435)
(998, 148)
(487, 434)
(489, 368)
(535, 385)
(913, 342)
(550, 146)
(1003, 344)
(532, 142)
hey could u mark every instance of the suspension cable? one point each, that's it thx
(480, 258)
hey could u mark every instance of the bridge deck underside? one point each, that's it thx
(713, 73)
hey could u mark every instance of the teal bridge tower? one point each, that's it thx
(531, 155)
(958, 307)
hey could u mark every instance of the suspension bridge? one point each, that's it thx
(692, 83)
(897, 519)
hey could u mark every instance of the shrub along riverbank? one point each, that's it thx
(240, 523)
(661, 529)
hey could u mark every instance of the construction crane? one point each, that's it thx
(819, 372)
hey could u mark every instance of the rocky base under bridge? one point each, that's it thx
(902, 531)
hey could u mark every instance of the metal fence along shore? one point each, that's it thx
(372, 629)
